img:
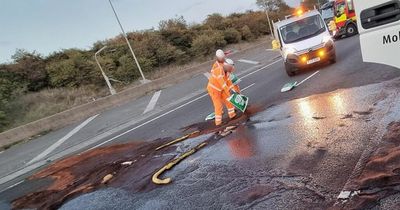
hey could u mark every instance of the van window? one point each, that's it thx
(327, 13)
(302, 29)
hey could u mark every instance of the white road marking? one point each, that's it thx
(207, 74)
(248, 87)
(156, 118)
(307, 78)
(11, 186)
(251, 73)
(62, 140)
(152, 102)
(249, 61)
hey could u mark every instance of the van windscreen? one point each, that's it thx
(302, 29)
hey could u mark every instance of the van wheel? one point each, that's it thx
(290, 71)
(351, 30)
(332, 60)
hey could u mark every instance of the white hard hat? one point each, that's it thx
(229, 62)
(220, 54)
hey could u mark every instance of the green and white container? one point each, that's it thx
(210, 116)
(288, 86)
(239, 101)
(235, 80)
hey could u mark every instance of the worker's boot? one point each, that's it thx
(218, 120)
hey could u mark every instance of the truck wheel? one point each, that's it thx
(290, 71)
(351, 30)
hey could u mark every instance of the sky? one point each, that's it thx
(51, 25)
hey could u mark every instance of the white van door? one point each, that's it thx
(379, 26)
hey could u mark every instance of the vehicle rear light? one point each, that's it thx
(304, 58)
(321, 53)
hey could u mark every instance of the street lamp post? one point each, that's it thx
(112, 90)
(144, 80)
(269, 22)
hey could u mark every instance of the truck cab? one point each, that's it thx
(304, 40)
(342, 13)
(379, 26)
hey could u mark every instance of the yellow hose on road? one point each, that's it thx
(183, 138)
(171, 164)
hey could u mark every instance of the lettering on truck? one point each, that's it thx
(388, 39)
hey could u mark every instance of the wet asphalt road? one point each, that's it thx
(349, 71)
(279, 161)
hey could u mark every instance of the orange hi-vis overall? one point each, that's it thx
(218, 64)
(218, 88)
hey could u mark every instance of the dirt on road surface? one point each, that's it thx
(379, 182)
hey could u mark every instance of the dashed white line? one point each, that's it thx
(307, 78)
(249, 61)
(62, 140)
(152, 102)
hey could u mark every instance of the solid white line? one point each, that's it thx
(207, 74)
(11, 186)
(62, 140)
(249, 61)
(156, 118)
(307, 78)
(152, 102)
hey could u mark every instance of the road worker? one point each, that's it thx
(219, 88)
(221, 57)
(233, 79)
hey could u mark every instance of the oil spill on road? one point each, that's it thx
(380, 178)
(83, 173)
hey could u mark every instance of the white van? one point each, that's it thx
(379, 27)
(304, 40)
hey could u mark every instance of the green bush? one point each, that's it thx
(205, 44)
(6, 93)
(232, 35)
(215, 22)
(246, 33)
(127, 70)
(176, 32)
(30, 68)
(74, 70)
